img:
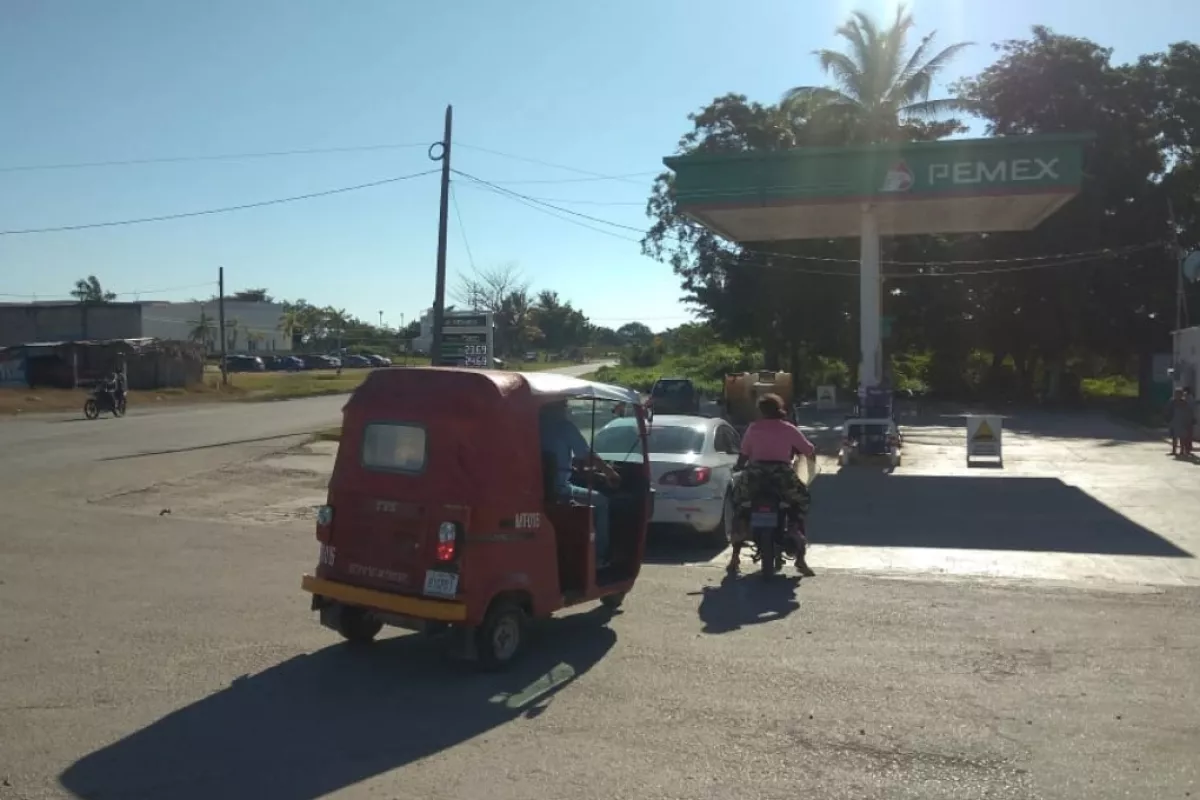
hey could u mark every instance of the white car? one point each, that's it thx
(691, 468)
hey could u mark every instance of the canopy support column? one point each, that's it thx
(870, 369)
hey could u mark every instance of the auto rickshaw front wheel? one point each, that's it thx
(357, 626)
(501, 637)
(613, 601)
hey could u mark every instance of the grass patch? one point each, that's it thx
(1109, 388)
(329, 435)
(243, 386)
(642, 378)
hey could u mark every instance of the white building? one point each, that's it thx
(424, 341)
(252, 327)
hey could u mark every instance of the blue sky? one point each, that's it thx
(598, 87)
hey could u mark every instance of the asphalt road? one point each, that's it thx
(39, 444)
(173, 656)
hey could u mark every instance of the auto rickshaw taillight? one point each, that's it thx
(324, 523)
(694, 476)
(447, 544)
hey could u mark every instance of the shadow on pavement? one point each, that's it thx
(324, 721)
(1081, 424)
(676, 544)
(742, 600)
(869, 508)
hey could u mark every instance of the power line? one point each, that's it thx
(568, 200)
(462, 229)
(574, 180)
(219, 157)
(527, 198)
(222, 210)
(540, 162)
(134, 293)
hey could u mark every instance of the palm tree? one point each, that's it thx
(291, 320)
(233, 329)
(88, 291)
(878, 90)
(202, 330)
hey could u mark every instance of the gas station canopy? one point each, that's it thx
(954, 186)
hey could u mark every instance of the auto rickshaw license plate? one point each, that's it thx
(764, 519)
(441, 584)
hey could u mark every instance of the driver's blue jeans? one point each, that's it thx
(599, 504)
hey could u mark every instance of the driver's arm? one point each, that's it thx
(583, 451)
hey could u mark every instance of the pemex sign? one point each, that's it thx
(978, 173)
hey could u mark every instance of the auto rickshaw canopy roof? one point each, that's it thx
(438, 391)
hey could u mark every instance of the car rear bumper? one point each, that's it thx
(415, 607)
(703, 514)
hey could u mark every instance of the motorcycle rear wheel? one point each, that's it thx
(767, 557)
(90, 408)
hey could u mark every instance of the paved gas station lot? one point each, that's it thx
(1079, 498)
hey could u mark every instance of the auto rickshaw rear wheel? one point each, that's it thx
(501, 637)
(613, 601)
(357, 626)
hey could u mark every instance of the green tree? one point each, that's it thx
(561, 325)
(252, 296)
(88, 291)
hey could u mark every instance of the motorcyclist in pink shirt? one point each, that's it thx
(767, 450)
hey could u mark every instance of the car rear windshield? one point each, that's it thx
(868, 430)
(394, 447)
(663, 439)
(672, 387)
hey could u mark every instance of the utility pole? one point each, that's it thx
(439, 286)
(221, 322)
(380, 319)
(1177, 256)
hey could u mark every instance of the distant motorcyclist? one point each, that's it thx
(767, 450)
(120, 387)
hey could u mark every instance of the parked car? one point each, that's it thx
(531, 356)
(378, 361)
(316, 361)
(290, 363)
(674, 396)
(691, 468)
(356, 362)
(244, 364)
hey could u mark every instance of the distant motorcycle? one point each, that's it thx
(104, 399)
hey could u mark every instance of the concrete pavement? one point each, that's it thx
(151, 655)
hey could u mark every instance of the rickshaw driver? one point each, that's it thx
(562, 439)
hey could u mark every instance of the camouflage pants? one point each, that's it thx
(768, 480)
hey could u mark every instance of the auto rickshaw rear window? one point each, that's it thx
(395, 447)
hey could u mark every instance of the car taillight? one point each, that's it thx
(447, 544)
(324, 523)
(695, 476)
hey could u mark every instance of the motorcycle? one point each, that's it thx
(771, 543)
(103, 399)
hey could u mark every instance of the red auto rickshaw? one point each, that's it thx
(443, 515)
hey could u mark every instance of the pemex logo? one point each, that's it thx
(899, 178)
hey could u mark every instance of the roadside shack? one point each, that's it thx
(147, 363)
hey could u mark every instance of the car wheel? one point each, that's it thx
(501, 637)
(722, 535)
(613, 601)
